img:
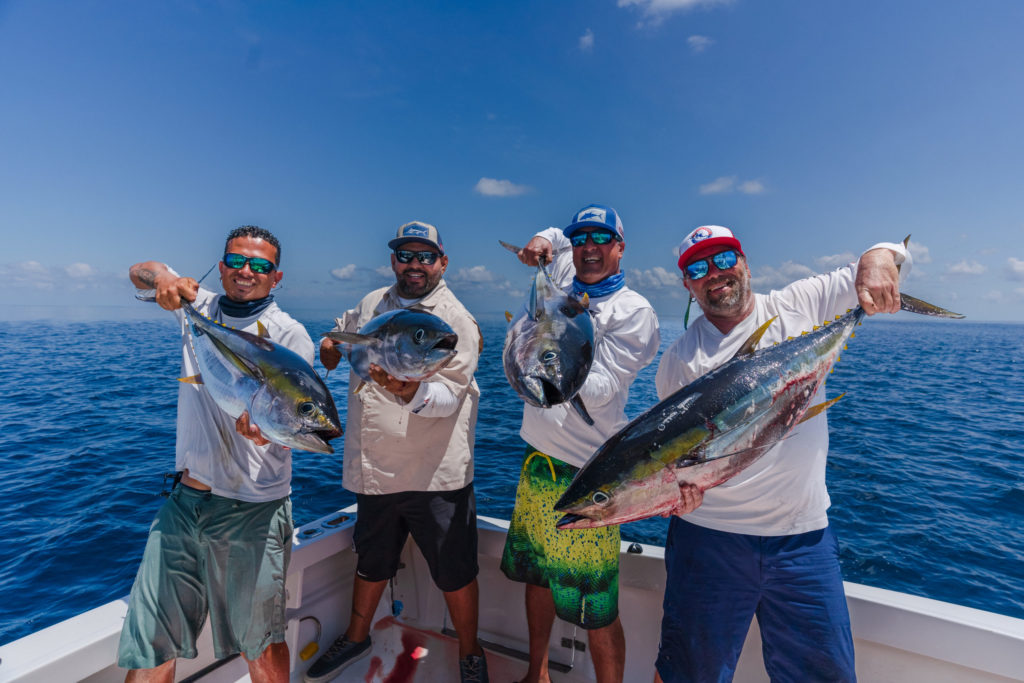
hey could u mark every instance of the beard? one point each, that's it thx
(727, 303)
(417, 289)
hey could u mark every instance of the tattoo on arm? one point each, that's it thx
(146, 276)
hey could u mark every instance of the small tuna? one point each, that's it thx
(409, 345)
(549, 347)
(242, 371)
(712, 429)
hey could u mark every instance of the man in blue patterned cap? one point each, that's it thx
(574, 574)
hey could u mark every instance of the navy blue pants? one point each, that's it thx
(717, 581)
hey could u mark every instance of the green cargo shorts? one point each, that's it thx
(209, 554)
(580, 566)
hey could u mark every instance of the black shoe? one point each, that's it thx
(340, 654)
(473, 669)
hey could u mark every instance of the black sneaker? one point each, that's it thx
(473, 669)
(340, 654)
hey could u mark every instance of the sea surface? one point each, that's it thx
(925, 471)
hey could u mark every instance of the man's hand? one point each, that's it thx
(403, 390)
(536, 249)
(690, 498)
(330, 355)
(249, 430)
(170, 290)
(878, 282)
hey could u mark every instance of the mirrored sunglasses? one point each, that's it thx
(723, 260)
(598, 237)
(427, 258)
(257, 265)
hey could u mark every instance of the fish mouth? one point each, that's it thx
(573, 521)
(543, 391)
(447, 342)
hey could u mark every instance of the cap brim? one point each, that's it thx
(707, 247)
(399, 241)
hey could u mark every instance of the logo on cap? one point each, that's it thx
(592, 213)
(415, 231)
(700, 234)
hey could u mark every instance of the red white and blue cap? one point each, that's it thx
(417, 231)
(598, 216)
(706, 239)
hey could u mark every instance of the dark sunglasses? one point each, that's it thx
(427, 258)
(723, 260)
(598, 237)
(257, 265)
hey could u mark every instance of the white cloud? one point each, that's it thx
(919, 253)
(835, 260)
(345, 273)
(772, 278)
(1015, 267)
(719, 185)
(656, 10)
(699, 43)
(654, 278)
(751, 187)
(995, 296)
(474, 274)
(34, 275)
(491, 187)
(727, 184)
(384, 271)
(965, 267)
(587, 41)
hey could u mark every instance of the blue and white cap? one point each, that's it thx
(417, 231)
(598, 216)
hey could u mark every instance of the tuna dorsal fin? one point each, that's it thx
(814, 411)
(585, 300)
(360, 387)
(750, 345)
(261, 330)
(577, 403)
(508, 316)
(352, 338)
(194, 379)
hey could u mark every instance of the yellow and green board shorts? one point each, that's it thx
(580, 566)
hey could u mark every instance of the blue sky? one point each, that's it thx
(131, 131)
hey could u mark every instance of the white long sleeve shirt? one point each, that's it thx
(626, 341)
(783, 492)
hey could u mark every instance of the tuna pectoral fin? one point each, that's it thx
(194, 379)
(577, 403)
(352, 338)
(814, 411)
(914, 305)
(750, 345)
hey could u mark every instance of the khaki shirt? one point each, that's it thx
(389, 449)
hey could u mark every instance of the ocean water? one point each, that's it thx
(926, 470)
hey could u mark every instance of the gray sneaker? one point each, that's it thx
(340, 654)
(473, 669)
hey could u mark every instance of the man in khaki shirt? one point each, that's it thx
(409, 459)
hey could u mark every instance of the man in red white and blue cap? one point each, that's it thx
(574, 574)
(761, 542)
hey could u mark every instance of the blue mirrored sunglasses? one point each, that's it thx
(723, 260)
(257, 265)
(427, 258)
(599, 237)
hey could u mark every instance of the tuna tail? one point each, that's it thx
(577, 403)
(914, 305)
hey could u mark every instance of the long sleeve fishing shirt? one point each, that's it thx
(626, 341)
(393, 446)
(784, 491)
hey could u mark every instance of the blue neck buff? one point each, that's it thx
(603, 288)
(243, 309)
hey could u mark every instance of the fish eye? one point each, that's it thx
(549, 356)
(306, 408)
(418, 335)
(601, 498)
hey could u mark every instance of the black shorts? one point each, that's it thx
(442, 523)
